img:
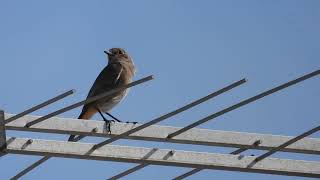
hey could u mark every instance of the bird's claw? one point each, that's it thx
(108, 126)
(133, 122)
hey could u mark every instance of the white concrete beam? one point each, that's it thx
(159, 133)
(163, 157)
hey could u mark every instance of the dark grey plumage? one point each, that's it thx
(119, 71)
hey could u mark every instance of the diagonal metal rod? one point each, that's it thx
(138, 167)
(187, 174)
(196, 170)
(89, 100)
(291, 141)
(46, 103)
(31, 167)
(129, 171)
(168, 115)
(244, 102)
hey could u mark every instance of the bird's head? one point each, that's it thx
(117, 54)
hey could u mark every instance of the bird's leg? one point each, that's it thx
(108, 122)
(112, 117)
(118, 119)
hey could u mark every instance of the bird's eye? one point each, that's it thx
(121, 52)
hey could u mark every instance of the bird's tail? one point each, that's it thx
(73, 137)
(86, 113)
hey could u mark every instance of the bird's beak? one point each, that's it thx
(107, 52)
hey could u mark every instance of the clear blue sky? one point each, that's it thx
(192, 48)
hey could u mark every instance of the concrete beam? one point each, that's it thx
(159, 133)
(163, 157)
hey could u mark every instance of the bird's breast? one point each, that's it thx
(106, 105)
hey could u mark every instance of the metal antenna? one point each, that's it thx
(198, 161)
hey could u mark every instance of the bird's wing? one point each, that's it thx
(107, 79)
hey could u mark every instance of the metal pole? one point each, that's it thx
(3, 140)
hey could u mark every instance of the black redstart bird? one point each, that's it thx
(119, 71)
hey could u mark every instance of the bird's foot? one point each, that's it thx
(132, 122)
(108, 125)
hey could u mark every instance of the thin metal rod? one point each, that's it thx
(79, 137)
(244, 102)
(140, 166)
(31, 167)
(3, 140)
(241, 150)
(129, 171)
(187, 174)
(196, 170)
(291, 141)
(46, 103)
(89, 100)
(168, 115)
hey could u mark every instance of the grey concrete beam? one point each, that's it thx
(163, 157)
(159, 133)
